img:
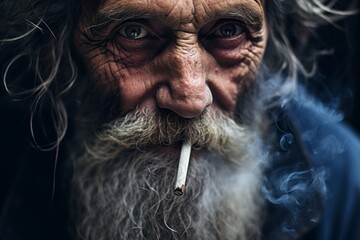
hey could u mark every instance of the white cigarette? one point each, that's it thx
(182, 169)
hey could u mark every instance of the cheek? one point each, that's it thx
(126, 85)
(228, 83)
(136, 87)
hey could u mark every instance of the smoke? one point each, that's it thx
(297, 177)
(123, 183)
(293, 188)
(297, 194)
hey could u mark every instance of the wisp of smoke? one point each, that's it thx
(123, 184)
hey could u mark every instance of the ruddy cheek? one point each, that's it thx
(136, 88)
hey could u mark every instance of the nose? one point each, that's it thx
(184, 89)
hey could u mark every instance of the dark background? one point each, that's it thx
(336, 83)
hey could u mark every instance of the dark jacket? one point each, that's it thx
(324, 150)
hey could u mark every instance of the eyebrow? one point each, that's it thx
(124, 13)
(250, 17)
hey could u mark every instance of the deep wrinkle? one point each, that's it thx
(181, 64)
(121, 11)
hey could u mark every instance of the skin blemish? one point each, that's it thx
(182, 56)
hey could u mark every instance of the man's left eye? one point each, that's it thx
(133, 31)
(228, 30)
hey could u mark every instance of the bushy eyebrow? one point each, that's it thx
(124, 13)
(120, 13)
(252, 19)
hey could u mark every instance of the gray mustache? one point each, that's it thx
(148, 127)
(141, 129)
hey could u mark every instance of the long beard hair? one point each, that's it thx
(123, 180)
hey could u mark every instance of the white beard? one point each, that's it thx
(128, 193)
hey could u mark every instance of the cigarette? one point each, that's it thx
(182, 169)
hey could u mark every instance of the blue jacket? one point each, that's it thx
(324, 157)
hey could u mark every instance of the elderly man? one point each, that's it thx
(177, 120)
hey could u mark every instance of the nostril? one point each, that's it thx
(187, 104)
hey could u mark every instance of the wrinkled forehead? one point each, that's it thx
(176, 12)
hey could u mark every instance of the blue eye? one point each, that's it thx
(228, 30)
(133, 31)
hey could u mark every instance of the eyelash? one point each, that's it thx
(239, 27)
(123, 32)
(155, 38)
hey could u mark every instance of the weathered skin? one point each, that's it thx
(181, 60)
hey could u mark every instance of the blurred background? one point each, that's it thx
(337, 83)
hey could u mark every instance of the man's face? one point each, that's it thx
(176, 69)
(183, 56)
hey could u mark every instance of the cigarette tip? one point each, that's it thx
(179, 191)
